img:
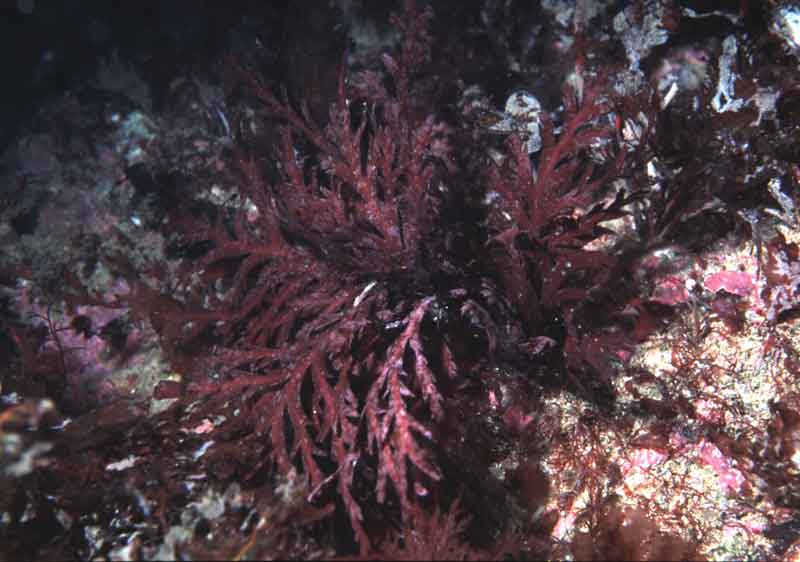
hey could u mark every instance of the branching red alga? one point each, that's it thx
(334, 292)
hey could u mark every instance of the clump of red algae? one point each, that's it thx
(372, 374)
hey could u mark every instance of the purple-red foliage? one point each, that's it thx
(334, 299)
(549, 213)
(333, 294)
(343, 341)
(325, 290)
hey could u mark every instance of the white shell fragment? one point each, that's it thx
(522, 115)
(786, 24)
(725, 98)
